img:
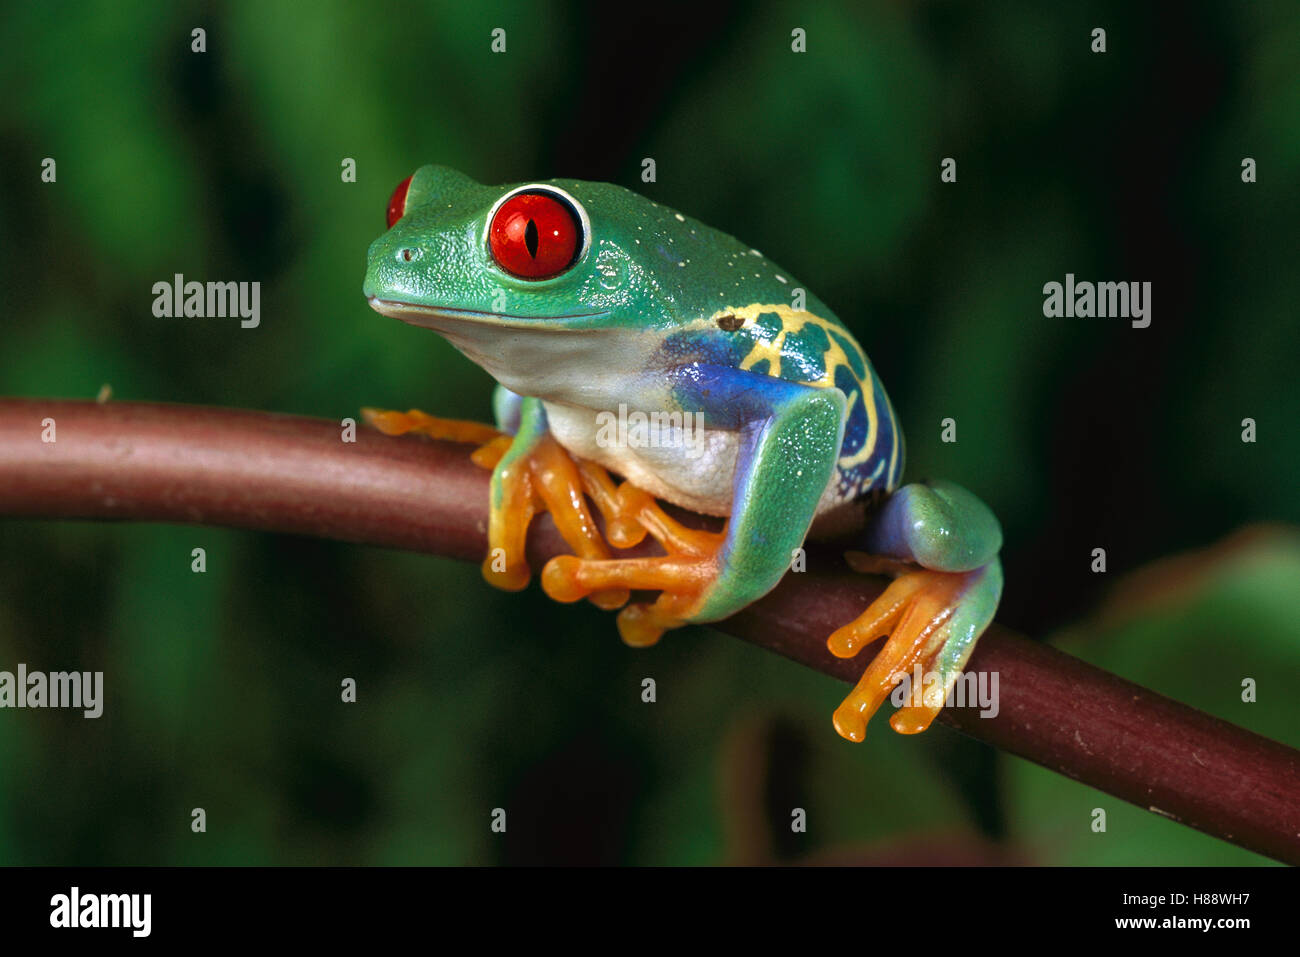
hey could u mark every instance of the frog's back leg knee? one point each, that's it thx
(936, 524)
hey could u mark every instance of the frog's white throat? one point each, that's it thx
(553, 359)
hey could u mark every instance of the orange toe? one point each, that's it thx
(914, 612)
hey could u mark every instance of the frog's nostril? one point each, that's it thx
(408, 254)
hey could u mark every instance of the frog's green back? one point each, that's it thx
(731, 305)
(692, 268)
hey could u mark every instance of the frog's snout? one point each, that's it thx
(388, 265)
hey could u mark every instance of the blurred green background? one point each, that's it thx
(223, 688)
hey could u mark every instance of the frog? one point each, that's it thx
(593, 306)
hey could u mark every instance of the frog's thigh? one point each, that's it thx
(938, 525)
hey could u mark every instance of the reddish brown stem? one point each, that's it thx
(278, 473)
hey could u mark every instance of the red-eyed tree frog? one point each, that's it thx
(593, 307)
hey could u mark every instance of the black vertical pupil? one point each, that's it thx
(530, 238)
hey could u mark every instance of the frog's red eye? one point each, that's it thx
(397, 202)
(535, 236)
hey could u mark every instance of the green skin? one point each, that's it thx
(802, 435)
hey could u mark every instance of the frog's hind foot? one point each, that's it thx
(681, 576)
(932, 620)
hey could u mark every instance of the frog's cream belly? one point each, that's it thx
(693, 468)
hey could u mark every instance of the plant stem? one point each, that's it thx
(277, 473)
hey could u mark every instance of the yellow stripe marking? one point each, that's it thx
(793, 321)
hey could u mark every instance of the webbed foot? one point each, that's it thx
(932, 619)
(539, 477)
(681, 576)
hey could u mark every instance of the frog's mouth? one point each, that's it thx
(442, 318)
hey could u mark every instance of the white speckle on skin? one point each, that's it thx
(780, 278)
(755, 252)
(681, 264)
(679, 217)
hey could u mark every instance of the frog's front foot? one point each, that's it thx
(682, 576)
(529, 477)
(932, 619)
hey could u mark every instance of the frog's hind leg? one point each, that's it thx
(940, 544)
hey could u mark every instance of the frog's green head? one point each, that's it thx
(502, 267)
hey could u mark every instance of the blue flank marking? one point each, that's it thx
(872, 472)
(712, 386)
(855, 429)
(729, 398)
